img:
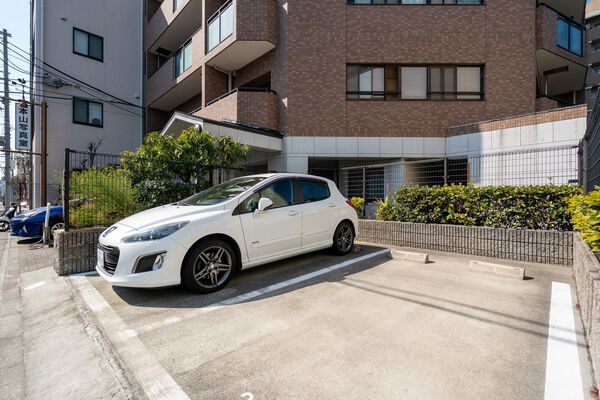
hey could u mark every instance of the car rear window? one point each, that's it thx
(314, 191)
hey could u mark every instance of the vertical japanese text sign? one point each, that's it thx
(22, 127)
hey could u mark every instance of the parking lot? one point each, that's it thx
(360, 326)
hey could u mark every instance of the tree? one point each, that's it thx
(167, 168)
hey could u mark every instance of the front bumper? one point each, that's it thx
(23, 227)
(168, 275)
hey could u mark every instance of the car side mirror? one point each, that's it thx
(263, 204)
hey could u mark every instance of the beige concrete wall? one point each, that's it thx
(119, 23)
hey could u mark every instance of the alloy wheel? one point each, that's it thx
(57, 226)
(344, 238)
(212, 267)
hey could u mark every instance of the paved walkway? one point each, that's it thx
(50, 347)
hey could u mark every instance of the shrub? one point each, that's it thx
(101, 197)
(524, 207)
(359, 204)
(586, 217)
(153, 193)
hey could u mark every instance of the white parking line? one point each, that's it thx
(563, 372)
(251, 295)
(35, 285)
(152, 377)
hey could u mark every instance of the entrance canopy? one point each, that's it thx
(257, 138)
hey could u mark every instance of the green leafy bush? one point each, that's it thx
(153, 193)
(586, 217)
(359, 204)
(525, 207)
(101, 197)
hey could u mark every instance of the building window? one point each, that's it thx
(88, 45)
(87, 112)
(183, 59)
(434, 2)
(569, 36)
(595, 45)
(177, 4)
(408, 82)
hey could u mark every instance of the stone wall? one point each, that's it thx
(76, 250)
(547, 247)
(586, 269)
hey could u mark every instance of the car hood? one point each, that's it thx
(167, 214)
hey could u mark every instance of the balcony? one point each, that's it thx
(169, 28)
(251, 106)
(174, 84)
(561, 68)
(240, 32)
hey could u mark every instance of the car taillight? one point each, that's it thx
(350, 204)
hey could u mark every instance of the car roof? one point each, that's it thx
(285, 175)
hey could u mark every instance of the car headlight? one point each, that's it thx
(155, 233)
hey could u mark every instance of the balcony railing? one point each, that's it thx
(220, 26)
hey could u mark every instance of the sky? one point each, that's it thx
(14, 17)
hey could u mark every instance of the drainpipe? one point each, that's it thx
(229, 81)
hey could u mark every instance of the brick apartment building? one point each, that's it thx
(323, 86)
(592, 50)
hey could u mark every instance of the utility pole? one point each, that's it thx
(7, 188)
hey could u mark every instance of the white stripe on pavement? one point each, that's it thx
(251, 295)
(35, 285)
(563, 372)
(152, 377)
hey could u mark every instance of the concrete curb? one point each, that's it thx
(421, 258)
(506, 271)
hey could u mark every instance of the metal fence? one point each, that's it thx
(544, 166)
(589, 150)
(97, 191)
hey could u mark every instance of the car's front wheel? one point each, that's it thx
(343, 238)
(209, 266)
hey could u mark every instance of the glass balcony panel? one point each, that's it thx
(562, 33)
(227, 22)
(213, 34)
(575, 45)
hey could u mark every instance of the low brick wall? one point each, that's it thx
(547, 247)
(586, 269)
(76, 250)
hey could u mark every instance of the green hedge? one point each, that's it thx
(524, 207)
(586, 217)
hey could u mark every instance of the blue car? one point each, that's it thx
(31, 223)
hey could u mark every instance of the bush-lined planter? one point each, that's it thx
(76, 250)
(586, 269)
(547, 247)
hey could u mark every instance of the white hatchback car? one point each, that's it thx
(204, 240)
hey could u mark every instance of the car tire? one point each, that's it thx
(54, 226)
(209, 266)
(4, 226)
(343, 238)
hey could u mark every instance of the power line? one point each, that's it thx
(124, 102)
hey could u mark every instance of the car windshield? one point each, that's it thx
(223, 192)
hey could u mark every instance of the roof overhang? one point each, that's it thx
(256, 138)
(571, 8)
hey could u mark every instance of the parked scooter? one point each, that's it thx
(7, 215)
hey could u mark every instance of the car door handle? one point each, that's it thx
(293, 213)
(331, 205)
